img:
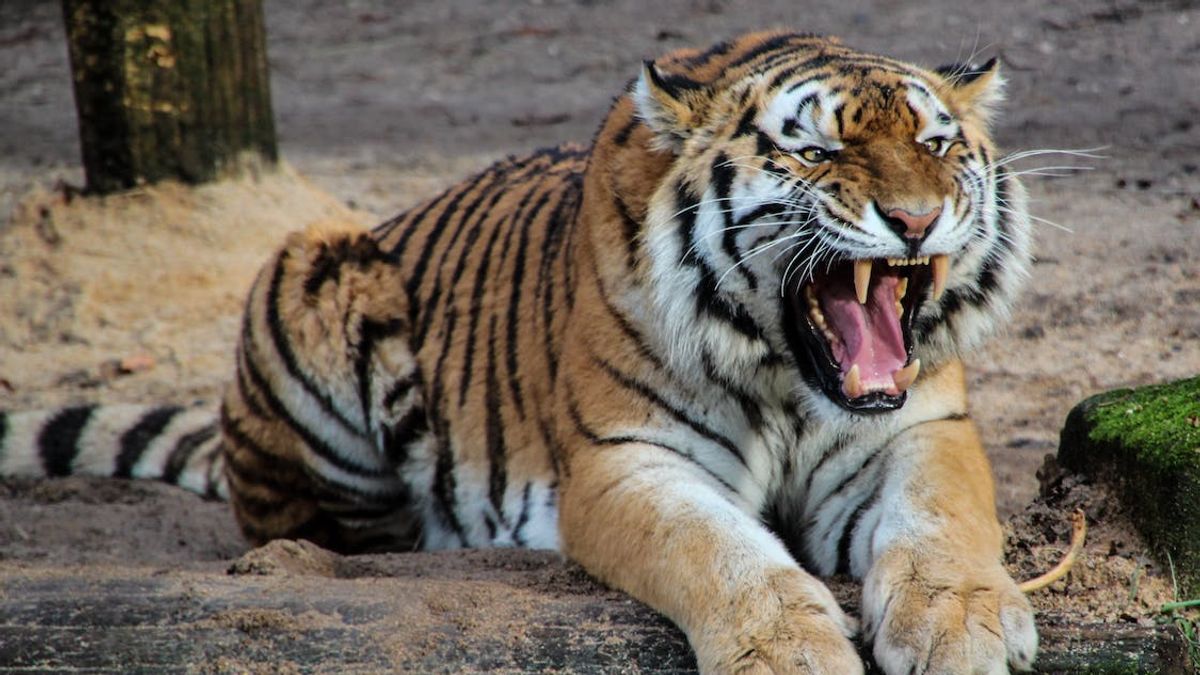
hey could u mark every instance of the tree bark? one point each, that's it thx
(169, 89)
(291, 607)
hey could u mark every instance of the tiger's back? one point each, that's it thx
(487, 267)
(350, 336)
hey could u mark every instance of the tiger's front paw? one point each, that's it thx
(792, 626)
(931, 615)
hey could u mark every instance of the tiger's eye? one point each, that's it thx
(814, 154)
(936, 144)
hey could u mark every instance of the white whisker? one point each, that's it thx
(1030, 216)
(1053, 171)
(757, 250)
(1087, 153)
(730, 228)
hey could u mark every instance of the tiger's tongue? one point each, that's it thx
(870, 333)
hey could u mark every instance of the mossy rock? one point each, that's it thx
(1146, 443)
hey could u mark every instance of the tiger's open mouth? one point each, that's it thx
(851, 328)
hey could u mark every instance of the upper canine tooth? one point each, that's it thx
(901, 288)
(907, 375)
(941, 270)
(862, 279)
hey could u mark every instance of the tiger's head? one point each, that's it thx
(839, 206)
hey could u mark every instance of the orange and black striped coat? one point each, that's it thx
(708, 357)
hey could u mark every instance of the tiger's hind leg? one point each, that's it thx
(324, 397)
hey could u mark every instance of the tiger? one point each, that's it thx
(712, 357)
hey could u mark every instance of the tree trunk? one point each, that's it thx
(169, 89)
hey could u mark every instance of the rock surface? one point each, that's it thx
(1146, 443)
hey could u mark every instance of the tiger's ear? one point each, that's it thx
(976, 89)
(671, 105)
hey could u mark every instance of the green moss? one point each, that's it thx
(1161, 423)
(1146, 443)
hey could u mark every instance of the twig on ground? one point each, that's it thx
(1078, 534)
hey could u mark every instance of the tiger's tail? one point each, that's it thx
(174, 444)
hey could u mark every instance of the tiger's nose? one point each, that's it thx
(910, 225)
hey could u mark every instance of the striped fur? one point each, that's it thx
(169, 443)
(601, 350)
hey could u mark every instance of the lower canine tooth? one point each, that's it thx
(907, 375)
(852, 385)
(862, 279)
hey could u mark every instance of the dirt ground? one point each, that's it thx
(379, 104)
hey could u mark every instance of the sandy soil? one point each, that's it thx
(379, 106)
